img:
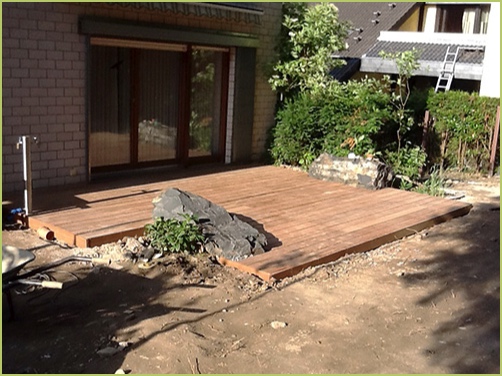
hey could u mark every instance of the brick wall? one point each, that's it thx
(44, 73)
(265, 98)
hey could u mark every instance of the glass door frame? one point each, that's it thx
(185, 106)
(183, 137)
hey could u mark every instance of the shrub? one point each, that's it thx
(346, 117)
(407, 162)
(309, 37)
(464, 123)
(173, 235)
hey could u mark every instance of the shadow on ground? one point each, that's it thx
(469, 342)
(100, 303)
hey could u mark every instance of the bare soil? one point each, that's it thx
(425, 304)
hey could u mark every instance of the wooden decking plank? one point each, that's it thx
(307, 228)
(288, 205)
(363, 231)
(279, 209)
(295, 202)
(281, 265)
(390, 225)
(60, 233)
(323, 257)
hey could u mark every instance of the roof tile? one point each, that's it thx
(361, 15)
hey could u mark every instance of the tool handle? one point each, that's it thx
(101, 261)
(52, 285)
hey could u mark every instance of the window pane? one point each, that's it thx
(205, 102)
(158, 114)
(468, 20)
(109, 142)
(485, 12)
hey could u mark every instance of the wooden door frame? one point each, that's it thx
(182, 144)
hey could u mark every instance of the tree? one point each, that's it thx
(406, 63)
(314, 34)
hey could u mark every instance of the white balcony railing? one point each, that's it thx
(479, 40)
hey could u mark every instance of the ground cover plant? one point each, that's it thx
(175, 235)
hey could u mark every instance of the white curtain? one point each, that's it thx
(468, 21)
(484, 21)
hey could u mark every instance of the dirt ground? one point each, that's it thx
(426, 304)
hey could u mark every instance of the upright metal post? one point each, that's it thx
(26, 142)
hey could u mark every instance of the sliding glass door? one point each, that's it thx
(206, 102)
(153, 104)
(159, 86)
(110, 127)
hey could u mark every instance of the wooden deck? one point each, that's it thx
(307, 221)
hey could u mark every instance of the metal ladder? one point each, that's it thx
(447, 70)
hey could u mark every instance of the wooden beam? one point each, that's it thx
(495, 140)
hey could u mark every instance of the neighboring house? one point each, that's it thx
(124, 86)
(470, 31)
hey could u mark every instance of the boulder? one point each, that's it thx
(226, 234)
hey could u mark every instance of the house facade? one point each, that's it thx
(125, 86)
(468, 32)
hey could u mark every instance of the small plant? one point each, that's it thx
(407, 163)
(174, 235)
(434, 186)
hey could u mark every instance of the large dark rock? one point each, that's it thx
(226, 234)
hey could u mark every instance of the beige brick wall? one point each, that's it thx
(44, 73)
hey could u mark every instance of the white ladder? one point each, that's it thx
(447, 70)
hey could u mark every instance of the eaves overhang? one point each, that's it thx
(247, 12)
(427, 68)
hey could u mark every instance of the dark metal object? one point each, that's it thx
(14, 260)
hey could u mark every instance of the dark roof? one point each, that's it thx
(360, 16)
(427, 51)
(345, 72)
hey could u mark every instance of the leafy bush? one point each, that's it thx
(173, 235)
(464, 123)
(345, 118)
(309, 37)
(407, 163)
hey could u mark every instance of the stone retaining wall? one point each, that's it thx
(358, 171)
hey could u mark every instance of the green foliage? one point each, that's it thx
(314, 34)
(434, 186)
(345, 118)
(406, 63)
(173, 235)
(407, 161)
(200, 133)
(464, 123)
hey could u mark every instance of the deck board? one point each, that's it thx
(307, 221)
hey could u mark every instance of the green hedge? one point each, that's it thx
(346, 117)
(358, 117)
(463, 126)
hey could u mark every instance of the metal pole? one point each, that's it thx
(26, 142)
